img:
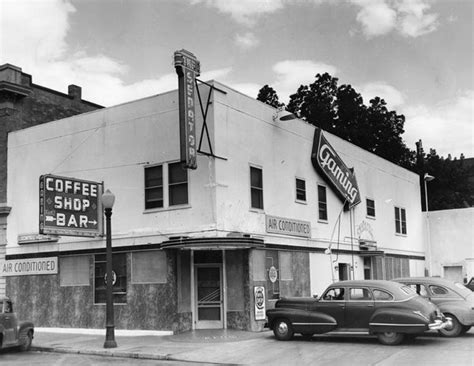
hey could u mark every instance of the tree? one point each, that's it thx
(269, 96)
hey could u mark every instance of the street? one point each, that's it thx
(429, 349)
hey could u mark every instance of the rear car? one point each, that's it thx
(13, 333)
(453, 299)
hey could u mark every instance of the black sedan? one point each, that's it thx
(386, 309)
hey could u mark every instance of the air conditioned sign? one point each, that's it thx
(188, 68)
(30, 266)
(337, 174)
(70, 206)
(281, 225)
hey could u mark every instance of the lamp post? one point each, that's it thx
(428, 178)
(108, 200)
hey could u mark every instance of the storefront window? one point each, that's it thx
(272, 267)
(119, 267)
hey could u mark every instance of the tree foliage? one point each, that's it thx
(373, 127)
(269, 96)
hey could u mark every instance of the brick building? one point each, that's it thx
(24, 104)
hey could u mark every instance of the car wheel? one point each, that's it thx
(390, 338)
(454, 330)
(465, 329)
(26, 338)
(282, 330)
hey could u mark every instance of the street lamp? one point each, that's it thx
(428, 178)
(108, 200)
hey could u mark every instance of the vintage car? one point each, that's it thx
(386, 309)
(470, 284)
(12, 332)
(453, 299)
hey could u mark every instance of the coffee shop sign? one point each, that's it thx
(70, 206)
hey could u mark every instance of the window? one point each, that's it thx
(175, 193)
(322, 203)
(74, 271)
(334, 294)
(256, 188)
(300, 190)
(178, 184)
(358, 294)
(272, 267)
(150, 266)
(119, 268)
(370, 207)
(154, 187)
(380, 295)
(400, 221)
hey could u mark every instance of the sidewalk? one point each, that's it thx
(200, 346)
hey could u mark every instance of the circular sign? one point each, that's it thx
(273, 274)
(114, 278)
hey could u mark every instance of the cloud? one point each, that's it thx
(245, 12)
(393, 97)
(446, 127)
(246, 40)
(290, 74)
(408, 17)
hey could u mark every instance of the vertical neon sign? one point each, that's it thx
(188, 68)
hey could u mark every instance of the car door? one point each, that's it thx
(333, 303)
(359, 308)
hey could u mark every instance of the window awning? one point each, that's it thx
(371, 253)
(213, 243)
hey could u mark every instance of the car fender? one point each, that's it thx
(303, 320)
(25, 326)
(462, 312)
(397, 320)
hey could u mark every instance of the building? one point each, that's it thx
(451, 235)
(24, 104)
(209, 247)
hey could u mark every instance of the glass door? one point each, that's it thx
(208, 296)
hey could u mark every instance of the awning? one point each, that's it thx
(213, 243)
(371, 253)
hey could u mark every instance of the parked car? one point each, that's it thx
(453, 299)
(470, 284)
(386, 309)
(12, 332)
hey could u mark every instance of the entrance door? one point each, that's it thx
(208, 296)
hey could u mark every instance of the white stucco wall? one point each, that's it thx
(452, 240)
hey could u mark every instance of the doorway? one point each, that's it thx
(208, 296)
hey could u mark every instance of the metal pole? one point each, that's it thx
(109, 323)
(428, 238)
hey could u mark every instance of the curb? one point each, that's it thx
(121, 354)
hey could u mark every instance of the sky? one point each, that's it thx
(415, 54)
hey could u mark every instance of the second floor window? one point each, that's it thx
(300, 190)
(178, 184)
(370, 207)
(322, 203)
(256, 188)
(154, 187)
(400, 221)
(158, 194)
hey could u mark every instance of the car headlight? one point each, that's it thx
(417, 312)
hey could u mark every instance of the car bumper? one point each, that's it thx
(441, 324)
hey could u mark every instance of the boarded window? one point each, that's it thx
(149, 267)
(74, 271)
(286, 269)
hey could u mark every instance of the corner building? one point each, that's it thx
(192, 249)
